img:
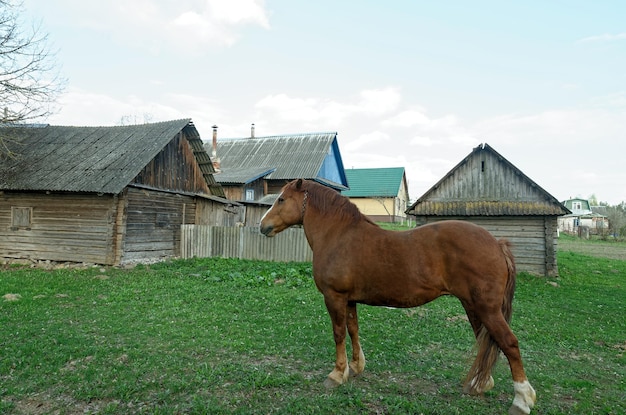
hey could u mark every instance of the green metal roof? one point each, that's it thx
(381, 182)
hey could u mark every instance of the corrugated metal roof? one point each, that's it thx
(89, 159)
(486, 184)
(292, 156)
(242, 176)
(381, 182)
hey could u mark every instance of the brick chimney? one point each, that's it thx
(252, 131)
(214, 158)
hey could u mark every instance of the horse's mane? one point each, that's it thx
(330, 202)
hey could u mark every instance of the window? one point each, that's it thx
(249, 194)
(21, 217)
(577, 205)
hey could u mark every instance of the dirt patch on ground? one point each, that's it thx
(607, 250)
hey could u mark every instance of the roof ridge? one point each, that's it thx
(257, 137)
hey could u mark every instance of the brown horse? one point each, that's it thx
(355, 261)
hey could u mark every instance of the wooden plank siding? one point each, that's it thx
(64, 227)
(244, 243)
(533, 239)
(173, 168)
(209, 212)
(153, 221)
(138, 225)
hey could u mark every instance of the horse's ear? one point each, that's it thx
(299, 184)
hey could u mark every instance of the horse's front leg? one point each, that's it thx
(357, 365)
(337, 309)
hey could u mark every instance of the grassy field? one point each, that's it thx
(227, 336)
(593, 247)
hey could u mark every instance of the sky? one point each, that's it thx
(404, 83)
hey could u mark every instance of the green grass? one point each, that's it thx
(230, 336)
(397, 226)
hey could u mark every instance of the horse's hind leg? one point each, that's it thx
(472, 385)
(357, 365)
(502, 334)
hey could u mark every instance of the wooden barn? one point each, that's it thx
(486, 189)
(106, 195)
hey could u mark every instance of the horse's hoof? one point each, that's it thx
(525, 398)
(331, 383)
(516, 410)
(356, 368)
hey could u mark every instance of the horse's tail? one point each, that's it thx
(479, 377)
(507, 302)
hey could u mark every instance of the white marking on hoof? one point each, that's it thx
(524, 400)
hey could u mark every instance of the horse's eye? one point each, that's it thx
(281, 200)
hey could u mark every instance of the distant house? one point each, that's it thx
(253, 167)
(106, 195)
(582, 216)
(486, 189)
(380, 193)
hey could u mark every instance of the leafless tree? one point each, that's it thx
(616, 216)
(30, 81)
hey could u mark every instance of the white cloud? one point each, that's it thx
(184, 25)
(291, 109)
(422, 141)
(408, 118)
(614, 100)
(379, 101)
(314, 111)
(370, 141)
(606, 37)
(564, 127)
(218, 21)
(81, 107)
(236, 12)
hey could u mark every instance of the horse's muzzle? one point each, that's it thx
(267, 230)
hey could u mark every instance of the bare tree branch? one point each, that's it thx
(30, 82)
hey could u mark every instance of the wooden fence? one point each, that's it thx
(205, 241)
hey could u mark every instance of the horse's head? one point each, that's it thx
(287, 210)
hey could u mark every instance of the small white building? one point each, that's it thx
(582, 217)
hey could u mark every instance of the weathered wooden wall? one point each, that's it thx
(254, 213)
(174, 168)
(533, 239)
(275, 186)
(244, 243)
(209, 212)
(153, 220)
(137, 225)
(233, 192)
(76, 227)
